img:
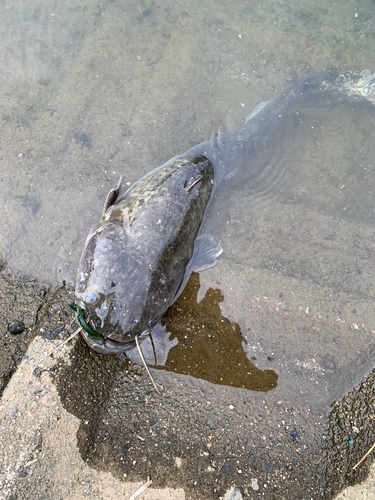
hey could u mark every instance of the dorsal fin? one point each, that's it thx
(111, 197)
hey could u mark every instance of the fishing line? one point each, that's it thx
(146, 366)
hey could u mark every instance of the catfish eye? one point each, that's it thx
(91, 298)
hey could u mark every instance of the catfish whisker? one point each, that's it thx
(146, 366)
(153, 349)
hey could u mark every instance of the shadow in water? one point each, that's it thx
(209, 346)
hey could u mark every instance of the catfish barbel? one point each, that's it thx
(137, 261)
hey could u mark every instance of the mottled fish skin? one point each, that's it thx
(135, 261)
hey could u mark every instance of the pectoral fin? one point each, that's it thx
(206, 251)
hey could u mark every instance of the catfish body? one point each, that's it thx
(137, 260)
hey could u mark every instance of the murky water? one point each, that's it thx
(94, 90)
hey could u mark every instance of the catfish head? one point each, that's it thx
(136, 260)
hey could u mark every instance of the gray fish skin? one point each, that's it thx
(136, 261)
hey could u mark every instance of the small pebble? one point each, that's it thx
(16, 327)
(226, 469)
(254, 484)
(234, 494)
(293, 434)
(341, 424)
(52, 335)
(329, 363)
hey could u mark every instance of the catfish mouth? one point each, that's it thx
(104, 345)
(99, 342)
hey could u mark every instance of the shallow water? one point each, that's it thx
(95, 90)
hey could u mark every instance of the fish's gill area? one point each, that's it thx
(266, 359)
